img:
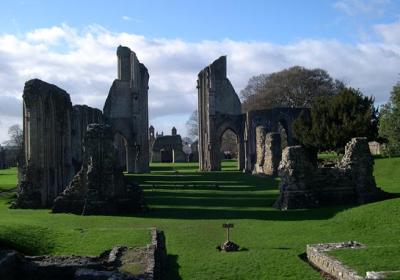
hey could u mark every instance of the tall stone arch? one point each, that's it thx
(219, 108)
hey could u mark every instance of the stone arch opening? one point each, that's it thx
(229, 146)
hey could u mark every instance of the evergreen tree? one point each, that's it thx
(333, 121)
(389, 125)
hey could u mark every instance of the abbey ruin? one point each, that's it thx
(74, 156)
(62, 141)
(219, 109)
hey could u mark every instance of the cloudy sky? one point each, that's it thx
(72, 44)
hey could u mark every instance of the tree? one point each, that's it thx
(292, 87)
(16, 136)
(192, 126)
(389, 122)
(335, 120)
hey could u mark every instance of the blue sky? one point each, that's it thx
(276, 21)
(72, 44)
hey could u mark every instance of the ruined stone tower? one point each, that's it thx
(126, 109)
(219, 109)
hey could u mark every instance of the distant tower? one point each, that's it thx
(174, 131)
(151, 132)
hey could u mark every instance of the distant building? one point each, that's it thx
(375, 147)
(168, 148)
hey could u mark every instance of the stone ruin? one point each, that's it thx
(126, 110)
(48, 166)
(99, 187)
(54, 133)
(82, 116)
(150, 263)
(304, 185)
(268, 152)
(166, 148)
(219, 110)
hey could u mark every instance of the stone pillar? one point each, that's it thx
(260, 150)
(272, 153)
(47, 145)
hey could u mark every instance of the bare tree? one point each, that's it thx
(192, 126)
(16, 136)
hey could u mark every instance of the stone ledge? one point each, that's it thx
(317, 257)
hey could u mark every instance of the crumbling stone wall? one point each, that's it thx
(303, 185)
(268, 151)
(219, 109)
(47, 139)
(126, 109)
(82, 115)
(99, 187)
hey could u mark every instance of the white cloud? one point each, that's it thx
(83, 62)
(366, 7)
(126, 18)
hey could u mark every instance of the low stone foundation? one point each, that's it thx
(317, 257)
(121, 263)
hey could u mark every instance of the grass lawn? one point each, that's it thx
(191, 206)
(7, 179)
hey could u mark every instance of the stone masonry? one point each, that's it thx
(47, 139)
(82, 116)
(126, 109)
(268, 152)
(303, 185)
(99, 187)
(219, 109)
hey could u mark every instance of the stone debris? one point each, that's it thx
(229, 246)
(304, 185)
(121, 263)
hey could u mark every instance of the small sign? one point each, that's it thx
(228, 227)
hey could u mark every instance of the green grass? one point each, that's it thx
(8, 179)
(190, 207)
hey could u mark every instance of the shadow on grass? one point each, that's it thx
(229, 214)
(218, 195)
(173, 268)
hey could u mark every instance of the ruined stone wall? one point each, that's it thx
(126, 109)
(271, 120)
(82, 115)
(317, 256)
(304, 185)
(99, 187)
(219, 108)
(268, 152)
(47, 139)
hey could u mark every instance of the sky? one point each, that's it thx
(72, 44)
